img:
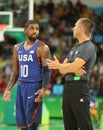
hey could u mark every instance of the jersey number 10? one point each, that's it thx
(24, 70)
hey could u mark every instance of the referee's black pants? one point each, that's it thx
(76, 99)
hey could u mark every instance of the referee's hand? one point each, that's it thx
(81, 72)
(6, 95)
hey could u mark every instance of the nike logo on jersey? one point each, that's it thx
(30, 96)
(20, 52)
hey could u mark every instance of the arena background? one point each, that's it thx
(56, 24)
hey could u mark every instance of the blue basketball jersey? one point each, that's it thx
(29, 65)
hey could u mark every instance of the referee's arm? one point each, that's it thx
(64, 68)
(77, 64)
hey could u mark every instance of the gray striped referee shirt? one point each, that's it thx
(87, 52)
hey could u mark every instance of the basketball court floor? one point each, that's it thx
(48, 127)
(54, 125)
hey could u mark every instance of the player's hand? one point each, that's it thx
(6, 95)
(40, 93)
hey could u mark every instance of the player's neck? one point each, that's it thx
(30, 42)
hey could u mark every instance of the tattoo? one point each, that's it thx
(13, 80)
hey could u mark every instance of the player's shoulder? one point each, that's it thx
(43, 45)
(43, 49)
(16, 46)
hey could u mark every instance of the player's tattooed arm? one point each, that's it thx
(15, 73)
(7, 93)
(13, 80)
(44, 54)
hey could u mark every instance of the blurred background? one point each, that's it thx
(56, 18)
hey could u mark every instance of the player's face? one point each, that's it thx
(77, 30)
(32, 32)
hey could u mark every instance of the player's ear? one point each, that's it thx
(25, 30)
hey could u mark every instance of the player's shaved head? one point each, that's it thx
(30, 22)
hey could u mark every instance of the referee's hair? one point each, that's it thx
(31, 22)
(87, 25)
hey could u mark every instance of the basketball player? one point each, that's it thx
(32, 73)
(76, 96)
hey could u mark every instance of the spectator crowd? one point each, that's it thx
(56, 23)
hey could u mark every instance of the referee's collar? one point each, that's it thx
(84, 42)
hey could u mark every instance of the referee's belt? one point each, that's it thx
(72, 77)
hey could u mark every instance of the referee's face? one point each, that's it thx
(32, 32)
(77, 30)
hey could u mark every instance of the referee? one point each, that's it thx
(77, 68)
